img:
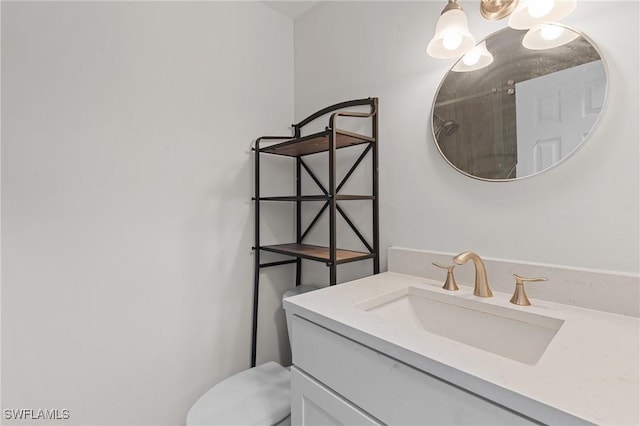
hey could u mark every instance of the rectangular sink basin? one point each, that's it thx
(511, 333)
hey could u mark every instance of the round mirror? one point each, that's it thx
(520, 102)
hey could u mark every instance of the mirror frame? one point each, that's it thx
(563, 159)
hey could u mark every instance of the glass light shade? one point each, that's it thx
(548, 36)
(529, 13)
(452, 37)
(475, 59)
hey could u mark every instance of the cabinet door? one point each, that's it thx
(312, 404)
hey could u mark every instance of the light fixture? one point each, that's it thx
(547, 36)
(529, 13)
(475, 59)
(452, 37)
(494, 10)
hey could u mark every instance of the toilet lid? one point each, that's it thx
(259, 396)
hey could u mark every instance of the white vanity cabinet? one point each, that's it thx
(336, 380)
(375, 349)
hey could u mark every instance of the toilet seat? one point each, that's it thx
(259, 396)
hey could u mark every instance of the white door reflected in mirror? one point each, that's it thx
(554, 113)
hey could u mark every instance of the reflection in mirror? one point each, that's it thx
(525, 110)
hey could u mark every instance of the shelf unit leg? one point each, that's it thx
(332, 207)
(256, 255)
(376, 191)
(298, 212)
(333, 275)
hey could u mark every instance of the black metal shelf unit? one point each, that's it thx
(328, 141)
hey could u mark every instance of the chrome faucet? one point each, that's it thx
(481, 287)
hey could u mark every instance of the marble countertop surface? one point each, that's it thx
(588, 373)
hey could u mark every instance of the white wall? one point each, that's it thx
(126, 179)
(584, 213)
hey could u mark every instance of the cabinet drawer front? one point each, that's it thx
(315, 405)
(392, 391)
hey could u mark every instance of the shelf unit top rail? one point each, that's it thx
(297, 146)
(373, 102)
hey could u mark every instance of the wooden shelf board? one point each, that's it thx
(318, 142)
(319, 253)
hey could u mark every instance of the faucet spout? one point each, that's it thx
(481, 287)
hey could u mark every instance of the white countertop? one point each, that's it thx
(589, 371)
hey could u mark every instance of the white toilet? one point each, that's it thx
(259, 396)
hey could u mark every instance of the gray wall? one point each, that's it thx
(126, 214)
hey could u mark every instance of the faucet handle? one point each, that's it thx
(450, 282)
(519, 296)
